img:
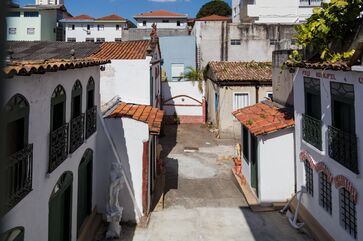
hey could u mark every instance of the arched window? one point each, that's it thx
(348, 215)
(59, 129)
(309, 178)
(91, 112)
(14, 234)
(18, 166)
(77, 121)
(325, 199)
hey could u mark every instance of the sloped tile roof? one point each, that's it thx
(123, 50)
(81, 17)
(40, 67)
(111, 17)
(265, 117)
(344, 66)
(241, 71)
(160, 13)
(213, 17)
(144, 113)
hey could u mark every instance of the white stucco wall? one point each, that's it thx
(80, 32)
(128, 136)
(330, 222)
(276, 177)
(172, 24)
(32, 211)
(173, 89)
(129, 79)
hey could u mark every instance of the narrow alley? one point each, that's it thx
(202, 201)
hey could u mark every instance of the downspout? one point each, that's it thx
(222, 41)
(257, 94)
(114, 150)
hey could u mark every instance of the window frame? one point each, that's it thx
(240, 93)
(31, 14)
(100, 27)
(177, 78)
(57, 99)
(12, 31)
(346, 196)
(325, 193)
(76, 91)
(309, 178)
(235, 42)
(28, 33)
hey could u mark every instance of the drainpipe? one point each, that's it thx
(257, 94)
(114, 150)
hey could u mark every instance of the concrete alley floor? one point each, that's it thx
(202, 201)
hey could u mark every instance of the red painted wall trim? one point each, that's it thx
(179, 96)
(145, 177)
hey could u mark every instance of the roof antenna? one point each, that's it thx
(73, 52)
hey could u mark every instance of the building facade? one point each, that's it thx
(50, 131)
(36, 23)
(265, 11)
(164, 20)
(328, 151)
(84, 28)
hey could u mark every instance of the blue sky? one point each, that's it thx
(128, 8)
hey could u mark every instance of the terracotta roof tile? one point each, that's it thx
(344, 66)
(144, 113)
(241, 71)
(214, 17)
(111, 17)
(40, 67)
(263, 118)
(81, 17)
(160, 13)
(123, 50)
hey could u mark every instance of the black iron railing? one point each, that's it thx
(311, 129)
(58, 150)
(17, 173)
(343, 148)
(91, 121)
(77, 133)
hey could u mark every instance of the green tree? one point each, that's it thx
(327, 29)
(193, 75)
(218, 7)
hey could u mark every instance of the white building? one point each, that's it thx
(35, 23)
(84, 28)
(267, 139)
(49, 2)
(50, 131)
(329, 150)
(134, 74)
(267, 11)
(164, 20)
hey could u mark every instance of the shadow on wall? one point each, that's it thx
(105, 157)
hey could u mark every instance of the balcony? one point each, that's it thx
(58, 147)
(17, 173)
(343, 148)
(91, 121)
(311, 129)
(310, 3)
(77, 133)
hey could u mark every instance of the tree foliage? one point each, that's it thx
(218, 7)
(328, 26)
(193, 75)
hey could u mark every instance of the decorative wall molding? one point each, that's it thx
(305, 156)
(322, 167)
(343, 182)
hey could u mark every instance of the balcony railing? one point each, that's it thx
(77, 133)
(343, 148)
(91, 121)
(311, 128)
(58, 150)
(17, 173)
(310, 3)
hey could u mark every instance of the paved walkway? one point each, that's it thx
(202, 201)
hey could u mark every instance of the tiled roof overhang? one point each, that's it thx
(265, 117)
(160, 14)
(144, 113)
(340, 66)
(26, 68)
(123, 50)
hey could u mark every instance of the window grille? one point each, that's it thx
(309, 179)
(235, 42)
(31, 14)
(325, 192)
(348, 219)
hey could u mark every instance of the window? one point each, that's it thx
(100, 40)
(245, 150)
(310, 3)
(240, 100)
(100, 27)
(73, 27)
(235, 42)
(269, 95)
(325, 192)
(311, 123)
(348, 219)
(177, 23)
(177, 71)
(77, 121)
(71, 39)
(13, 14)
(30, 31)
(31, 14)
(341, 135)
(117, 27)
(118, 39)
(91, 109)
(309, 182)
(165, 21)
(274, 41)
(18, 163)
(143, 23)
(12, 31)
(89, 27)
(216, 102)
(90, 39)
